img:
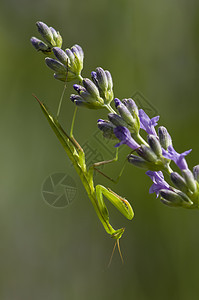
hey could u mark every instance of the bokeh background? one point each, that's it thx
(49, 253)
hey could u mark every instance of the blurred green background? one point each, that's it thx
(49, 253)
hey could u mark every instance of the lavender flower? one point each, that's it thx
(50, 35)
(164, 137)
(88, 95)
(124, 135)
(148, 124)
(158, 182)
(104, 82)
(46, 33)
(70, 63)
(124, 112)
(39, 45)
(107, 128)
(179, 159)
(132, 107)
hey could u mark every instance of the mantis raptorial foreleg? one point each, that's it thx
(121, 204)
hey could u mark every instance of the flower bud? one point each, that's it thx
(79, 88)
(179, 182)
(89, 94)
(61, 55)
(103, 81)
(79, 101)
(124, 112)
(76, 48)
(147, 153)
(196, 172)
(116, 120)
(137, 161)
(70, 55)
(72, 59)
(155, 144)
(46, 33)
(56, 66)
(164, 137)
(39, 45)
(184, 197)
(171, 196)
(107, 128)
(79, 58)
(189, 179)
(56, 37)
(132, 107)
(110, 80)
(91, 88)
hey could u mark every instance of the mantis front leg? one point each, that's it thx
(121, 204)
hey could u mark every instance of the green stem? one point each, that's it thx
(80, 78)
(168, 169)
(107, 106)
(140, 140)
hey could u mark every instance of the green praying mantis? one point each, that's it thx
(95, 192)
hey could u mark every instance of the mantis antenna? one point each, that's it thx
(63, 92)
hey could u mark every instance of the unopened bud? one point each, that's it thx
(189, 179)
(70, 55)
(61, 55)
(39, 45)
(80, 51)
(124, 112)
(179, 182)
(155, 144)
(196, 172)
(117, 120)
(165, 139)
(184, 197)
(55, 65)
(56, 37)
(110, 80)
(107, 128)
(102, 79)
(147, 153)
(171, 196)
(137, 161)
(46, 33)
(91, 87)
(132, 107)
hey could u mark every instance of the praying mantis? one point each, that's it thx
(95, 192)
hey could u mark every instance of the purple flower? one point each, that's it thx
(124, 135)
(158, 182)
(178, 158)
(148, 124)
